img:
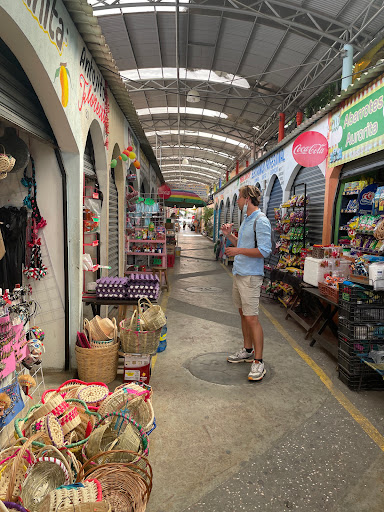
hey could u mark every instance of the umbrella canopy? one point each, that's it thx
(184, 199)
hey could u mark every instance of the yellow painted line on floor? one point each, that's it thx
(364, 423)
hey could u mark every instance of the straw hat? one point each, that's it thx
(102, 328)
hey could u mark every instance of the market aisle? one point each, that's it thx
(226, 444)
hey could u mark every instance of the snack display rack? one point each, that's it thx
(145, 235)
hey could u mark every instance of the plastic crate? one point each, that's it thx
(361, 313)
(170, 260)
(357, 295)
(352, 347)
(318, 252)
(367, 381)
(361, 332)
(350, 364)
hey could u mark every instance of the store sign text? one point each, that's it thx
(358, 128)
(92, 87)
(49, 20)
(269, 165)
(88, 98)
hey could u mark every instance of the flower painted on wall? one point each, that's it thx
(63, 73)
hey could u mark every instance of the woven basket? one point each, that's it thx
(97, 364)
(117, 431)
(9, 506)
(126, 487)
(50, 427)
(45, 475)
(93, 394)
(56, 405)
(70, 419)
(10, 490)
(152, 315)
(138, 342)
(138, 386)
(136, 404)
(97, 506)
(60, 499)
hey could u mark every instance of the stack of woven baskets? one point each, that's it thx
(81, 449)
(97, 350)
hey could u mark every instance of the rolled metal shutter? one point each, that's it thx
(220, 217)
(275, 200)
(113, 229)
(315, 181)
(227, 211)
(235, 213)
(215, 225)
(19, 103)
(361, 165)
(261, 197)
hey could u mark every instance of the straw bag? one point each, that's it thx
(138, 342)
(126, 487)
(70, 420)
(152, 315)
(56, 406)
(49, 427)
(5, 164)
(120, 432)
(88, 491)
(97, 364)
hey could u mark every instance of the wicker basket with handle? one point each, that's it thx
(152, 314)
(5, 164)
(138, 342)
(97, 506)
(9, 506)
(7, 461)
(97, 364)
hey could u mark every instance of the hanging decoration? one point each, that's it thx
(127, 154)
(35, 267)
(106, 119)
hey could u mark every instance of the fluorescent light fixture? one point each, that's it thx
(185, 161)
(195, 166)
(195, 159)
(193, 96)
(257, 128)
(176, 173)
(209, 150)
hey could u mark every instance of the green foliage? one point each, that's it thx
(208, 220)
(321, 100)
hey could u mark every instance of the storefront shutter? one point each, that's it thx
(261, 197)
(220, 217)
(368, 163)
(227, 211)
(215, 225)
(275, 200)
(19, 103)
(235, 213)
(113, 229)
(315, 181)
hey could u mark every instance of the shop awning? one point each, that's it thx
(184, 199)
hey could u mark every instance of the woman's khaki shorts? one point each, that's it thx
(246, 293)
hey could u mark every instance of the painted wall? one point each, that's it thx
(70, 88)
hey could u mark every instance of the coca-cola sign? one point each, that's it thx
(310, 148)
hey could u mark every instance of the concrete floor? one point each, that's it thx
(299, 440)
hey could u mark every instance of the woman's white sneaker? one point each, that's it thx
(241, 356)
(257, 371)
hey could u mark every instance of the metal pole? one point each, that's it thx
(347, 66)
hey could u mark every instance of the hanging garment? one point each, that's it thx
(13, 229)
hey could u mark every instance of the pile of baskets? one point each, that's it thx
(82, 448)
(97, 350)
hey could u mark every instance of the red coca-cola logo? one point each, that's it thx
(164, 191)
(310, 149)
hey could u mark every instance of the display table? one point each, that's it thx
(122, 304)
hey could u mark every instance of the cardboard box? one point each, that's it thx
(137, 367)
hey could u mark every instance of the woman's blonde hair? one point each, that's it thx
(250, 192)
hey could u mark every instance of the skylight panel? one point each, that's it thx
(198, 134)
(134, 9)
(209, 150)
(177, 172)
(199, 75)
(183, 110)
(195, 166)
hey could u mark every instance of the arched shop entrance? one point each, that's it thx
(25, 130)
(227, 216)
(220, 217)
(235, 213)
(113, 219)
(275, 199)
(315, 186)
(215, 219)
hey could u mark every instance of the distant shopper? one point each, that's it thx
(251, 247)
(184, 224)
